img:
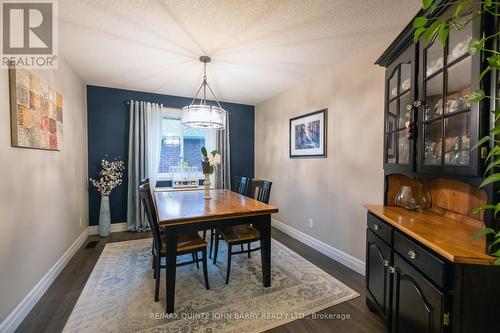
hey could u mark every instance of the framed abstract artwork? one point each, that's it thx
(36, 112)
(308, 135)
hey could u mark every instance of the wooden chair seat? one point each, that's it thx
(185, 243)
(239, 233)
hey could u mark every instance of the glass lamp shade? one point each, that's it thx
(204, 116)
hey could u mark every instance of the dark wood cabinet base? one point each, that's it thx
(431, 294)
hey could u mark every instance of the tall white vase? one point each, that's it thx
(206, 185)
(104, 217)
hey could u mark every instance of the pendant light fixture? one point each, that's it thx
(203, 115)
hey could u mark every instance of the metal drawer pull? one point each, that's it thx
(412, 254)
(376, 227)
(392, 270)
(386, 263)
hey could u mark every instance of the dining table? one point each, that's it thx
(188, 211)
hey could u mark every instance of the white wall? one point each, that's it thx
(43, 194)
(332, 190)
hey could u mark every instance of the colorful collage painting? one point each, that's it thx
(36, 111)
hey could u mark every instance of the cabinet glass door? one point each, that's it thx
(399, 113)
(449, 123)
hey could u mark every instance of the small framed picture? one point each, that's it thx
(308, 135)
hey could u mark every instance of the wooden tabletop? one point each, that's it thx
(189, 206)
(450, 238)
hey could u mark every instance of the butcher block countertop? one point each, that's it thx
(450, 238)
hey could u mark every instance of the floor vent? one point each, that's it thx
(91, 245)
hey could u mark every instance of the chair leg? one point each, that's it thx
(153, 254)
(204, 234)
(195, 258)
(249, 255)
(242, 249)
(205, 269)
(216, 250)
(155, 259)
(228, 262)
(157, 273)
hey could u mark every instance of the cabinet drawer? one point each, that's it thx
(380, 229)
(421, 258)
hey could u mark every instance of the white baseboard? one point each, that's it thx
(345, 259)
(15, 318)
(115, 227)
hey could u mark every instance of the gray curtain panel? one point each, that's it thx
(140, 130)
(223, 173)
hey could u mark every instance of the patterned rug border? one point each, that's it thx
(272, 324)
(278, 323)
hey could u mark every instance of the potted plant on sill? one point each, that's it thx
(208, 164)
(110, 177)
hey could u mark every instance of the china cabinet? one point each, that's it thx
(424, 270)
(429, 124)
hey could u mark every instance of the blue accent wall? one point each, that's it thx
(108, 123)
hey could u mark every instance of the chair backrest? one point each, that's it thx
(143, 181)
(239, 184)
(259, 190)
(149, 208)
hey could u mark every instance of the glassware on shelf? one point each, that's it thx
(459, 104)
(433, 143)
(403, 149)
(431, 156)
(393, 84)
(459, 86)
(434, 97)
(413, 198)
(458, 40)
(459, 154)
(434, 58)
(457, 141)
(405, 77)
(405, 109)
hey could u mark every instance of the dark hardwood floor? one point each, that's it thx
(52, 311)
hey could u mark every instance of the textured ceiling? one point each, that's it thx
(259, 47)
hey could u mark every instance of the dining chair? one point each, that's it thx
(242, 234)
(146, 181)
(239, 184)
(186, 242)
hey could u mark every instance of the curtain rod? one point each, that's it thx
(128, 103)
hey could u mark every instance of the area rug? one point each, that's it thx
(118, 296)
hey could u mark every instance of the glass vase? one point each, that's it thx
(413, 198)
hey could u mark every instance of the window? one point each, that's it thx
(181, 144)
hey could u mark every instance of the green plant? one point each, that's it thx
(210, 161)
(429, 27)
